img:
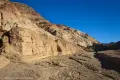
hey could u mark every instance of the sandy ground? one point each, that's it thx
(70, 67)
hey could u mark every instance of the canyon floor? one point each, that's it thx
(82, 66)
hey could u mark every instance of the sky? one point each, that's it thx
(98, 18)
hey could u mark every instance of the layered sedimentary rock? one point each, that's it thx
(23, 31)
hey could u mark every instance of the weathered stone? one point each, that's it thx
(30, 34)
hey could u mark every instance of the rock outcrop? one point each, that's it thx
(24, 32)
(32, 48)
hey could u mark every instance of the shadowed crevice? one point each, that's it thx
(59, 48)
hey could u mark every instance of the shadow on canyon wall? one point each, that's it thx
(108, 61)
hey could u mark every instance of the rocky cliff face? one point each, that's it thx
(26, 37)
(24, 32)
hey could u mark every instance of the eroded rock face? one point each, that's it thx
(32, 42)
(26, 37)
(3, 1)
(24, 32)
(70, 35)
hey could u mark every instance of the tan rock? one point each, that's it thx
(3, 61)
(25, 32)
(27, 42)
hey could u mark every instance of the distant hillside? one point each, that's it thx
(107, 46)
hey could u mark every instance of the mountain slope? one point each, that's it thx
(24, 32)
(32, 48)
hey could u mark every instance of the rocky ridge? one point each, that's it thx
(32, 48)
(25, 32)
